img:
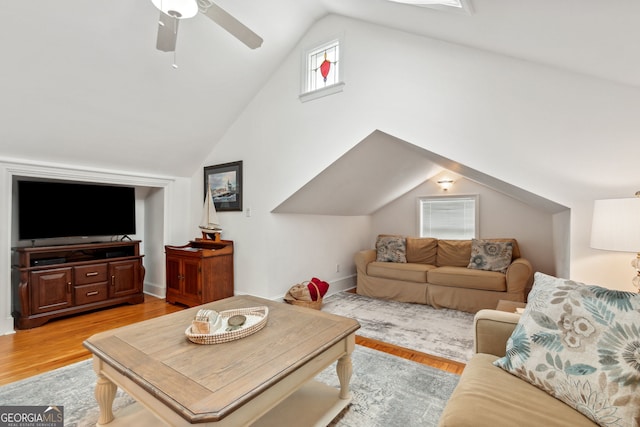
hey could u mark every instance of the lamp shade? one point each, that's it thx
(186, 8)
(616, 225)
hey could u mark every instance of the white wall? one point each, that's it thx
(554, 133)
(153, 222)
(500, 216)
(161, 206)
(275, 251)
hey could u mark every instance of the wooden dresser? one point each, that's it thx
(199, 272)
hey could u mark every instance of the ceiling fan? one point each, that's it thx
(173, 11)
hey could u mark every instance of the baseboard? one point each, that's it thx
(335, 286)
(6, 326)
(343, 284)
(155, 290)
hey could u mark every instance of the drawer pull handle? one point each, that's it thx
(93, 273)
(90, 294)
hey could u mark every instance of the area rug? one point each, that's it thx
(390, 391)
(438, 332)
(71, 386)
(387, 391)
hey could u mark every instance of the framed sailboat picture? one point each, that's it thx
(225, 184)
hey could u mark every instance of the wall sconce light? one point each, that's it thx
(616, 227)
(445, 183)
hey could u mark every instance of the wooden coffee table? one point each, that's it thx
(265, 379)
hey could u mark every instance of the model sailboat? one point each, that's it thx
(209, 223)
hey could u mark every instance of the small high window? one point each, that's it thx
(448, 217)
(322, 70)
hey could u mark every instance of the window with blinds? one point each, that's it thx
(448, 217)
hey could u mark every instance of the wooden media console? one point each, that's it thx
(56, 281)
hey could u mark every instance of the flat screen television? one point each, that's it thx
(65, 209)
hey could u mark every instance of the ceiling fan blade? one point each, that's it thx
(233, 26)
(167, 33)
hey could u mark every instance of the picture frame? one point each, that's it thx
(225, 182)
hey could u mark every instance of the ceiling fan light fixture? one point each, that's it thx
(180, 9)
(457, 6)
(452, 3)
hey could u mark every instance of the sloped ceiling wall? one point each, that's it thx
(382, 168)
(367, 177)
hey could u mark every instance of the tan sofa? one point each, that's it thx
(488, 396)
(436, 273)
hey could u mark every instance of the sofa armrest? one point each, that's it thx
(492, 330)
(362, 259)
(519, 277)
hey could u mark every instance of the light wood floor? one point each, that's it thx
(59, 342)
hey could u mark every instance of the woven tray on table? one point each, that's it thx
(316, 305)
(256, 320)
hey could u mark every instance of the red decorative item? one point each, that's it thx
(325, 67)
(323, 287)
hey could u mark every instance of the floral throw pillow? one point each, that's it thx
(580, 344)
(391, 249)
(490, 255)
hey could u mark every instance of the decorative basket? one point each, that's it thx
(256, 320)
(316, 305)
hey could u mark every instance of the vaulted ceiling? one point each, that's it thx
(81, 74)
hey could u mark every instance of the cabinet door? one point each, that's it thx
(191, 287)
(50, 290)
(124, 276)
(174, 274)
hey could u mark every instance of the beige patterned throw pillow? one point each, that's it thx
(490, 255)
(580, 344)
(391, 249)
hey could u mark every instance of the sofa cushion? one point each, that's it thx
(580, 344)
(455, 253)
(463, 277)
(391, 249)
(490, 255)
(487, 396)
(422, 250)
(409, 272)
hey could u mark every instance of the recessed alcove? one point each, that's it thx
(149, 202)
(153, 196)
(383, 175)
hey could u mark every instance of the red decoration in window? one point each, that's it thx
(325, 67)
